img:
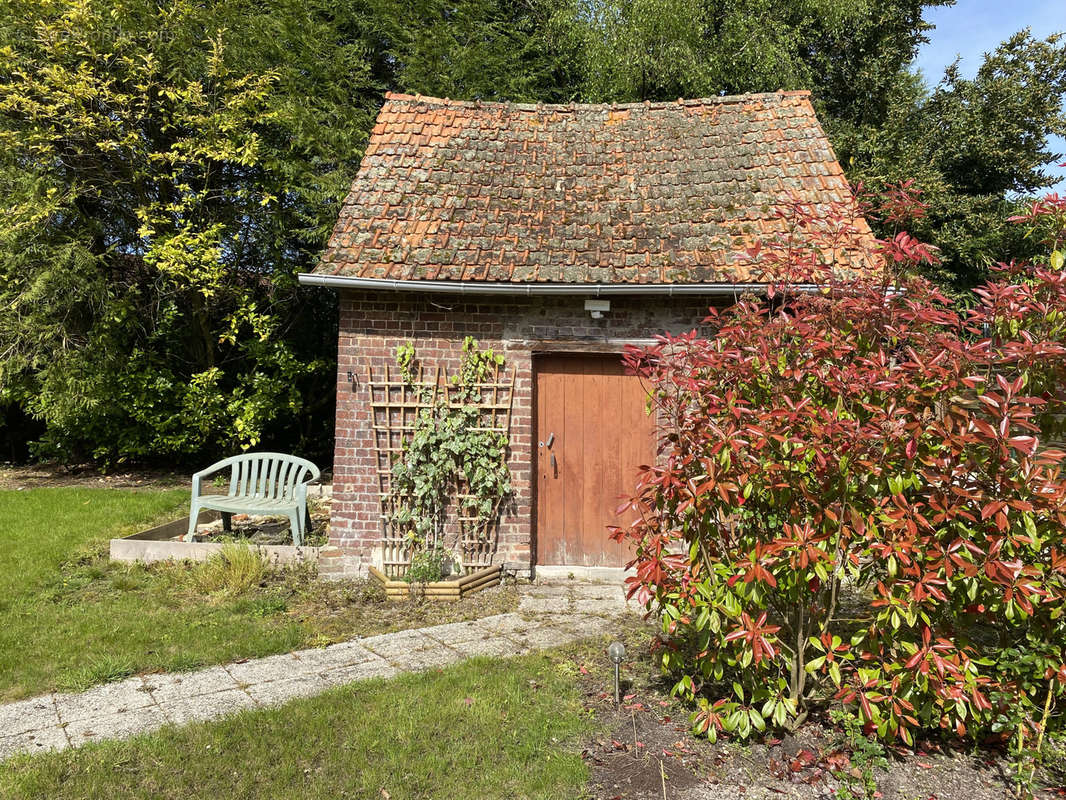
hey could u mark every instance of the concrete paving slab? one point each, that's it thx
(545, 605)
(541, 638)
(547, 590)
(582, 625)
(599, 591)
(457, 632)
(334, 656)
(181, 685)
(35, 741)
(276, 693)
(430, 658)
(499, 647)
(508, 624)
(201, 707)
(395, 646)
(376, 668)
(410, 650)
(111, 698)
(28, 715)
(115, 726)
(258, 670)
(598, 607)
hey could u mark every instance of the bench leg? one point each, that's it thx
(194, 512)
(227, 521)
(295, 524)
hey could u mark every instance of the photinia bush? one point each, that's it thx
(858, 500)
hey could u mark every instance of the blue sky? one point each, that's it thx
(972, 28)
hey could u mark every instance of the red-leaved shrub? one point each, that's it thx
(859, 500)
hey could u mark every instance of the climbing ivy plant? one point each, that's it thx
(451, 458)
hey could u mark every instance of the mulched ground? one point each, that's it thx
(271, 530)
(645, 752)
(36, 476)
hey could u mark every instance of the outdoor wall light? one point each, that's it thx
(597, 308)
(616, 652)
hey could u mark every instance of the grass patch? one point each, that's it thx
(69, 618)
(234, 570)
(484, 728)
(99, 669)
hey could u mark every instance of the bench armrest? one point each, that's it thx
(198, 477)
(314, 477)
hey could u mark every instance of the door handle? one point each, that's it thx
(551, 439)
(555, 464)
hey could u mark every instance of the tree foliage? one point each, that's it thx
(167, 171)
(976, 147)
(848, 53)
(856, 502)
(971, 145)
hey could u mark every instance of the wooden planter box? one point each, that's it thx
(441, 590)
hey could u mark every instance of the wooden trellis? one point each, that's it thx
(395, 403)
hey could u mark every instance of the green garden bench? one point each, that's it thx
(265, 484)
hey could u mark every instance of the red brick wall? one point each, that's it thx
(372, 325)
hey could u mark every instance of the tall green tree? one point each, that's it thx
(166, 171)
(971, 145)
(848, 51)
(975, 146)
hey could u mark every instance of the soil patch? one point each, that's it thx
(37, 476)
(267, 530)
(644, 751)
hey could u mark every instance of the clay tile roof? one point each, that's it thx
(594, 194)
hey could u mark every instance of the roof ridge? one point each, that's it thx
(725, 99)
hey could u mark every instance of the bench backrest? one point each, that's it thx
(274, 476)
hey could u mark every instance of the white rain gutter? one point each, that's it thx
(591, 289)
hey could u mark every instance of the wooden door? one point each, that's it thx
(592, 432)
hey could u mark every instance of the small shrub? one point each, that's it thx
(234, 570)
(427, 565)
(864, 756)
(855, 501)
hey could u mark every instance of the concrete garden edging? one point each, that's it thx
(160, 544)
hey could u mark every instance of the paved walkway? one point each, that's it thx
(548, 616)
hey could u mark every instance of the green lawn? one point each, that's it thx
(481, 729)
(70, 619)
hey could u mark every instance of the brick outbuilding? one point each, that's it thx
(555, 235)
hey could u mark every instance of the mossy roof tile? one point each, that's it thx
(506, 192)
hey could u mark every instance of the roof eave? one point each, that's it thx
(527, 289)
